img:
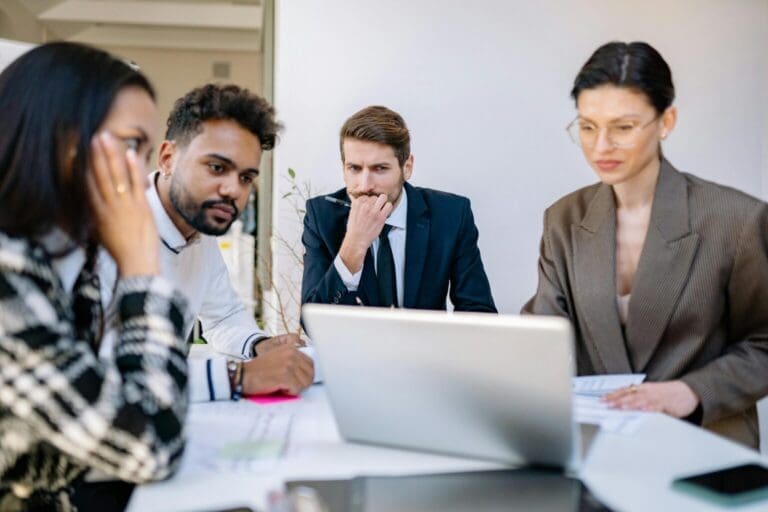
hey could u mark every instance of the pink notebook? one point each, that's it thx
(273, 398)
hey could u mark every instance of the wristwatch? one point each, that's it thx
(235, 371)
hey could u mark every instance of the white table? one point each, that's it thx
(629, 473)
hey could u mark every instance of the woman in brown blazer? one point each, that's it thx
(660, 272)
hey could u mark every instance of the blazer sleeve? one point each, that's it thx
(321, 282)
(122, 416)
(549, 298)
(736, 380)
(470, 289)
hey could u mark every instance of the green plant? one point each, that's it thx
(285, 285)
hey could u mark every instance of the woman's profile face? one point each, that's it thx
(132, 121)
(620, 131)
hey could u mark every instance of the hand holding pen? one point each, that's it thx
(367, 216)
(340, 202)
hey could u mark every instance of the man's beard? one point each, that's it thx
(390, 198)
(195, 214)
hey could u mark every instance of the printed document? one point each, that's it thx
(234, 436)
(588, 408)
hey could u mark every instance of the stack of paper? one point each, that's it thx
(599, 385)
(589, 409)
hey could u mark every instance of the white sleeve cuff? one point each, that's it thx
(250, 344)
(208, 379)
(350, 280)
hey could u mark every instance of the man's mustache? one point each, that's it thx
(230, 203)
(367, 194)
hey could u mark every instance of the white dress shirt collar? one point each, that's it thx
(399, 216)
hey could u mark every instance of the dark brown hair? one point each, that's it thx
(53, 100)
(378, 124)
(222, 102)
(634, 65)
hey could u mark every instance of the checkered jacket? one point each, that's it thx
(62, 410)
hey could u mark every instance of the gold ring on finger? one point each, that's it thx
(120, 188)
(633, 388)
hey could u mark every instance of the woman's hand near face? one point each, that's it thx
(674, 397)
(124, 220)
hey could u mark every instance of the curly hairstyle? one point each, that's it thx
(225, 102)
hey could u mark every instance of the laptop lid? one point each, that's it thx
(494, 387)
(520, 490)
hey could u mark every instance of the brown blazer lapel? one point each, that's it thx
(664, 267)
(595, 283)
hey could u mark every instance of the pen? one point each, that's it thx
(338, 201)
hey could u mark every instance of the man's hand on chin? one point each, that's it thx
(367, 217)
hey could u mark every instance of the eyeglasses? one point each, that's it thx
(623, 134)
(133, 142)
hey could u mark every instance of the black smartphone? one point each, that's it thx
(735, 485)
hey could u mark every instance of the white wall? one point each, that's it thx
(11, 50)
(484, 88)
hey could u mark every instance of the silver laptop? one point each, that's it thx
(494, 387)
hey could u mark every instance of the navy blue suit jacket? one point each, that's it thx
(441, 255)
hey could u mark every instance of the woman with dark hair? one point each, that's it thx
(660, 272)
(76, 130)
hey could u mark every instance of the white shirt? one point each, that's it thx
(197, 269)
(622, 301)
(398, 219)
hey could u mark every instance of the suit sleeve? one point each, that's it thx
(737, 379)
(321, 283)
(549, 298)
(470, 289)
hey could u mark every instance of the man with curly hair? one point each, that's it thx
(207, 166)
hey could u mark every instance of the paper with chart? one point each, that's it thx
(234, 436)
(589, 409)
